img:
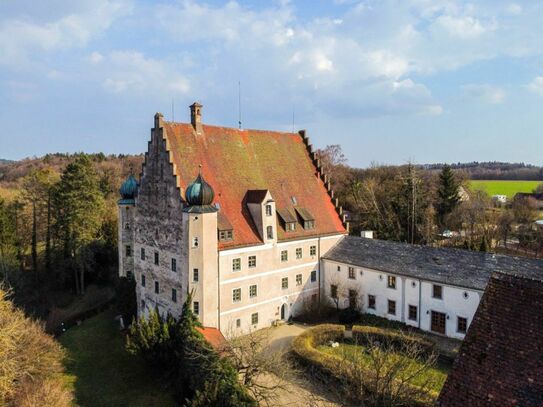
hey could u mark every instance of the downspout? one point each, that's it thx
(218, 291)
(319, 268)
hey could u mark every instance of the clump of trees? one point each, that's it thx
(30, 362)
(59, 233)
(198, 374)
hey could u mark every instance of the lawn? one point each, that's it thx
(435, 375)
(102, 373)
(509, 188)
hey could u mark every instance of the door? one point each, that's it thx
(438, 322)
(283, 311)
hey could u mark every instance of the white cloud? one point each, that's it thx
(21, 38)
(96, 58)
(514, 9)
(536, 86)
(463, 27)
(484, 93)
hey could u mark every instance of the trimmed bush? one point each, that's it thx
(363, 334)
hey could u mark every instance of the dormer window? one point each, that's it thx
(290, 227)
(268, 210)
(288, 219)
(226, 235)
(308, 220)
(269, 232)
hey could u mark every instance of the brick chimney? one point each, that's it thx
(196, 117)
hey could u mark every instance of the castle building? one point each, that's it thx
(246, 220)
(239, 217)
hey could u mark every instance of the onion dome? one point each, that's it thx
(129, 189)
(199, 196)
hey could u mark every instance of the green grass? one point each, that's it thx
(509, 188)
(434, 376)
(102, 373)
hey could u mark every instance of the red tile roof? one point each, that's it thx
(236, 161)
(501, 359)
(213, 336)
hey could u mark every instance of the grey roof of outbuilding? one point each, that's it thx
(455, 267)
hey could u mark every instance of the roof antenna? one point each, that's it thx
(239, 105)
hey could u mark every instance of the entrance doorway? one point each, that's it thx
(284, 312)
(438, 322)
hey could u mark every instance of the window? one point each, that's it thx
(127, 225)
(392, 307)
(142, 253)
(236, 264)
(128, 251)
(156, 258)
(333, 291)
(298, 252)
(253, 291)
(338, 268)
(195, 275)
(252, 261)
(236, 295)
(353, 295)
(238, 323)
(268, 210)
(309, 224)
(314, 276)
(174, 265)
(352, 274)
(391, 282)
(462, 325)
(284, 283)
(254, 318)
(129, 275)
(196, 307)
(371, 301)
(195, 242)
(157, 287)
(226, 235)
(312, 250)
(437, 291)
(413, 311)
(269, 232)
(143, 280)
(290, 226)
(174, 295)
(299, 279)
(284, 255)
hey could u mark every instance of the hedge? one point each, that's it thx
(361, 335)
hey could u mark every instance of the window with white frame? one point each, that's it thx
(195, 275)
(391, 282)
(268, 210)
(196, 307)
(298, 252)
(253, 291)
(236, 264)
(284, 255)
(313, 276)
(269, 232)
(312, 250)
(236, 295)
(284, 283)
(254, 318)
(299, 278)
(352, 273)
(252, 261)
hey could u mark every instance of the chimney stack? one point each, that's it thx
(196, 117)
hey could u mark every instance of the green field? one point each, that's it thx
(102, 373)
(509, 188)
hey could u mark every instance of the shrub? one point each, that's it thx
(365, 335)
(348, 316)
(30, 360)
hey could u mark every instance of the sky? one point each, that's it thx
(390, 81)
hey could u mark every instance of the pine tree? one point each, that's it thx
(448, 198)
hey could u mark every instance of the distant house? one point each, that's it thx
(500, 361)
(499, 200)
(538, 198)
(463, 194)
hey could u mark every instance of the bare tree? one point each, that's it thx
(387, 371)
(264, 372)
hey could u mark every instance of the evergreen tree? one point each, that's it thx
(79, 204)
(448, 198)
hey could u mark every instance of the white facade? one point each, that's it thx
(403, 292)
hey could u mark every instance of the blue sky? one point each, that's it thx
(391, 81)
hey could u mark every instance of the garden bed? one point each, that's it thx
(371, 359)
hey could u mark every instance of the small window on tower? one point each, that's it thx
(156, 258)
(174, 295)
(142, 253)
(174, 265)
(269, 232)
(128, 251)
(195, 242)
(268, 210)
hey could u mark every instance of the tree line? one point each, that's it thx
(409, 203)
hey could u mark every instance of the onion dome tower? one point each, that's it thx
(199, 196)
(129, 190)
